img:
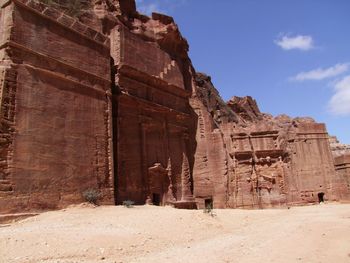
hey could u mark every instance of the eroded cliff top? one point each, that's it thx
(242, 110)
(164, 32)
(338, 148)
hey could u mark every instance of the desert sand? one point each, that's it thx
(319, 233)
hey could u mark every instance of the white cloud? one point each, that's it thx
(297, 42)
(158, 6)
(322, 73)
(340, 101)
(147, 8)
(150, 8)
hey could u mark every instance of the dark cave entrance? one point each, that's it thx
(208, 203)
(320, 197)
(156, 199)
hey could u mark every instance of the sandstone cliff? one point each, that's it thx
(95, 95)
(260, 160)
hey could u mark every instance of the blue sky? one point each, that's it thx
(292, 56)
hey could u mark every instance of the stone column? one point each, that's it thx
(110, 143)
(144, 168)
(186, 193)
(171, 195)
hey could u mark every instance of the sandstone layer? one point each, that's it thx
(98, 96)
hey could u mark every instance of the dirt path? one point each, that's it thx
(155, 234)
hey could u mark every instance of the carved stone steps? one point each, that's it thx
(167, 69)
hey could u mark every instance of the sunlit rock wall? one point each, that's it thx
(342, 166)
(260, 161)
(108, 99)
(55, 109)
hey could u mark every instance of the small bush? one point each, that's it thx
(92, 196)
(128, 203)
(209, 210)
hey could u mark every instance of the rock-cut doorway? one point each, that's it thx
(320, 197)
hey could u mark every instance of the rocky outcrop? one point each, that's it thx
(264, 161)
(107, 99)
(246, 108)
(338, 148)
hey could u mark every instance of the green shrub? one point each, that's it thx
(209, 210)
(128, 203)
(92, 196)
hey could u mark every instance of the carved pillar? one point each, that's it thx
(166, 137)
(110, 143)
(186, 193)
(144, 169)
(170, 195)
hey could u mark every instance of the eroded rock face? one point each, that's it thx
(260, 161)
(246, 108)
(342, 166)
(154, 152)
(107, 99)
(338, 148)
(55, 109)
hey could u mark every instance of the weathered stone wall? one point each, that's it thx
(258, 179)
(7, 92)
(153, 118)
(342, 166)
(260, 161)
(57, 100)
(312, 164)
(109, 100)
(141, 55)
(212, 164)
(210, 169)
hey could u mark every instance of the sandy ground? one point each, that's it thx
(318, 233)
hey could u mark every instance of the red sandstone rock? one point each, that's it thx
(246, 108)
(153, 116)
(108, 99)
(268, 161)
(342, 166)
(338, 148)
(55, 111)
